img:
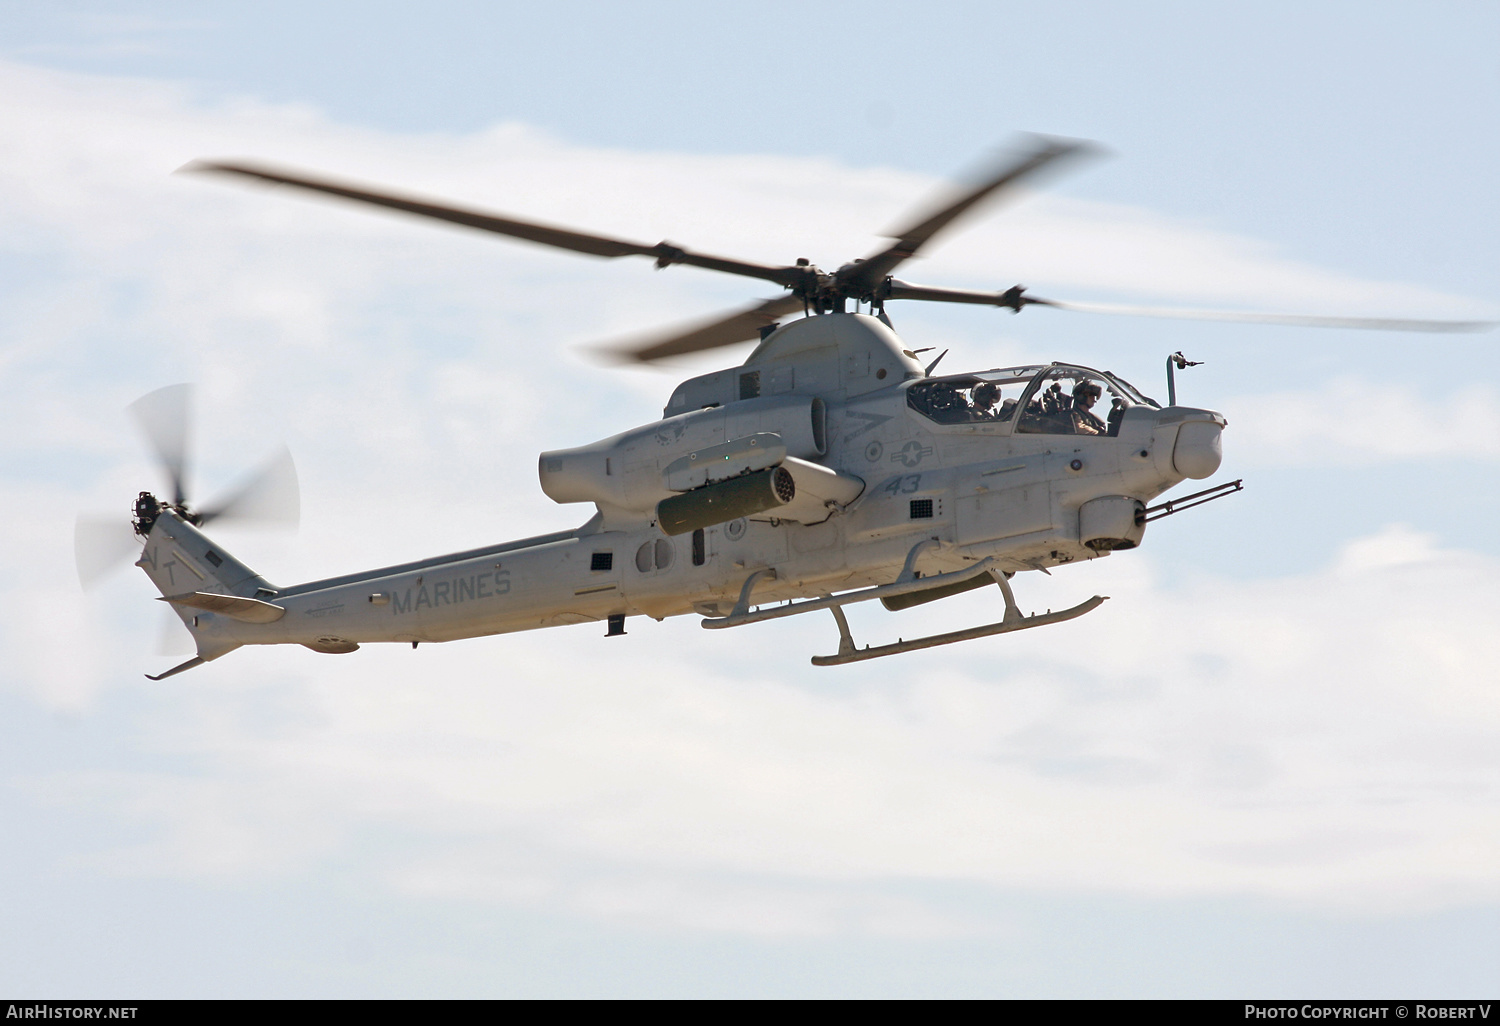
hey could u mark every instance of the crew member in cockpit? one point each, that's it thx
(985, 395)
(1085, 422)
(947, 403)
(1052, 400)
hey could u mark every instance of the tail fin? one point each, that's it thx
(196, 576)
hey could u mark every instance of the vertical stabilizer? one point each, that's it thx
(185, 564)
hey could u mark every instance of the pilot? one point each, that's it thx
(1085, 422)
(985, 395)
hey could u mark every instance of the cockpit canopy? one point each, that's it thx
(1055, 399)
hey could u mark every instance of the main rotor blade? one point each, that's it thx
(270, 495)
(1046, 153)
(1294, 320)
(1015, 298)
(163, 417)
(664, 253)
(725, 331)
(100, 545)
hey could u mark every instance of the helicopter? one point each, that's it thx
(830, 467)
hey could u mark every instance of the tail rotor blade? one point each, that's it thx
(270, 496)
(100, 545)
(163, 417)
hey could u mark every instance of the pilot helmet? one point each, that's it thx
(986, 394)
(1088, 389)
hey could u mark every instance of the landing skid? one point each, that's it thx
(906, 581)
(1013, 621)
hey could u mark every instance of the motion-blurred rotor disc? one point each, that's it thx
(101, 545)
(163, 417)
(270, 496)
(811, 289)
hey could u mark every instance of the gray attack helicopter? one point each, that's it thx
(830, 467)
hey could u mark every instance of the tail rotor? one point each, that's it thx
(269, 496)
(102, 545)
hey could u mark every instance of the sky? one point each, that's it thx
(1267, 766)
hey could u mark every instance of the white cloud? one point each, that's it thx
(1327, 738)
(1362, 421)
(650, 899)
(1089, 247)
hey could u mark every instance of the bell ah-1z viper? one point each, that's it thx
(830, 467)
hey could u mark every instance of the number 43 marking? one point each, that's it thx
(903, 485)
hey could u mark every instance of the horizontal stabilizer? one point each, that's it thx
(235, 607)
